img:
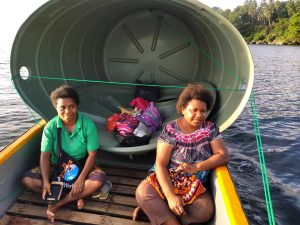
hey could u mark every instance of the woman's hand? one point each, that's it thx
(187, 167)
(79, 183)
(176, 205)
(77, 188)
(46, 189)
(163, 156)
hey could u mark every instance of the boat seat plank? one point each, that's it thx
(17, 220)
(127, 173)
(124, 180)
(123, 190)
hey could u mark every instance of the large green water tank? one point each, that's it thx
(172, 42)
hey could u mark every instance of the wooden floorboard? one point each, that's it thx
(91, 205)
(66, 215)
(124, 180)
(125, 173)
(28, 196)
(117, 209)
(17, 220)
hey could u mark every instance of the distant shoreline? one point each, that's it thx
(271, 43)
(267, 22)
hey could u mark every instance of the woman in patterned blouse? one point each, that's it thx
(189, 144)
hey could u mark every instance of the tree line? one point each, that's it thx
(269, 22)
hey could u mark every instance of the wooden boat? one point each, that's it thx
(101, 48)
(24, 207)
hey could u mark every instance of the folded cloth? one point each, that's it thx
(110, 122)
(184, 184)
(142, 130)
(126, 124)
(140, 103)
(151, 117)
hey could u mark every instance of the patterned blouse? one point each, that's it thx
(190, 148)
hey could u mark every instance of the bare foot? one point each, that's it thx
(51, 212)
(136, 213)
(80, 203)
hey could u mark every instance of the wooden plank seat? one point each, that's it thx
(29, 208)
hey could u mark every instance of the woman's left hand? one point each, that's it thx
(77, 188)
(187, 167)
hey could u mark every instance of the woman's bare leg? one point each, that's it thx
(201, 210)
(172, 221)
(33, 184)
(90, 187)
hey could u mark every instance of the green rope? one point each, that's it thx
(126, 83)
(189, 39)
(262, 161)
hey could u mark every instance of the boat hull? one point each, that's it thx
(24, 153)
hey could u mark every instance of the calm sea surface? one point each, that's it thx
(277, 92)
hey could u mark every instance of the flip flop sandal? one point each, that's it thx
(104, 191)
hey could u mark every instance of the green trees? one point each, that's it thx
(272, 22)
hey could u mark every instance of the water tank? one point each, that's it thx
(101, 47)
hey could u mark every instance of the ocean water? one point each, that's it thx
(277, 94)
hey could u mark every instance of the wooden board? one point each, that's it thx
(16, 220)
(117, 209)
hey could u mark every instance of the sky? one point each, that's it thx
(14, 12)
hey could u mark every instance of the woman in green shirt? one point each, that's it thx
(79, 140)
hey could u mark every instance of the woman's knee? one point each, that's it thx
(208, 211)
(31, 183)
(201, 210)
(97, 174)
(143, 192)
(207, 206)
(139, 192)
(27, 182)
(93, 185)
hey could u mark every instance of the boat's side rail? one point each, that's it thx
(228, 205)
(16, 158)
(20, 142)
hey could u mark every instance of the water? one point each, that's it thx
(277, 88)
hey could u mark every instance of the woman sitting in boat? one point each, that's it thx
(188, 148)
(68, 154)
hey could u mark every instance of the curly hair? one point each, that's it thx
(64, 91)
(193, 91)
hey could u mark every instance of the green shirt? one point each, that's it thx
(84, 138)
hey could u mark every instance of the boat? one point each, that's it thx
(101, 48)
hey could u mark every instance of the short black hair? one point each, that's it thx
(194, 91)
(64, 91)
